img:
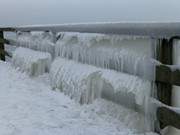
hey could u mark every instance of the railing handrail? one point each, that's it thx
(153, 29)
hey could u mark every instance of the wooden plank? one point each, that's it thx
(2, 56)
(168, 74)
(168, 117)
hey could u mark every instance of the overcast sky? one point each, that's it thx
(25, 12)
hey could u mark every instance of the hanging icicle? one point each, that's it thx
(40, 41)
(123, 53)
(81, 82)
(32, 62)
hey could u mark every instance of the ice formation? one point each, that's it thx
(84, 83)
(128, 54)
(69, 76)
(40, 41)
(81, 82)
(30, 107)
(128, 90)
(30, 61)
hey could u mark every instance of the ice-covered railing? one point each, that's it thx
(85, 83)
(32, 62)
(151, 29)
(41, 41)
(130, 54)
(81, 81)
(125, 89)
(163, 33)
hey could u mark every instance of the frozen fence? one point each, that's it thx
(130, 54)
(85, 83)
(164, 35)
(81, 82)
(33, 62)
(125, 89)
(40, 41)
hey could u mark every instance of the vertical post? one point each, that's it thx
(2, 55)
(164, 90)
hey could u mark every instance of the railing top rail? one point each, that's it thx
(161, 29)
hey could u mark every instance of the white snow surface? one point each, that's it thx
(30, 107)
(32, 62)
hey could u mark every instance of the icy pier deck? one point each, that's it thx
(30, 107)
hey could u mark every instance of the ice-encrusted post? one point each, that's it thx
(165, 56)
(2, 54)
(164, 90)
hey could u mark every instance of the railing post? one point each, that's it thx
(164, 90)
(2, 54)
(165, 56)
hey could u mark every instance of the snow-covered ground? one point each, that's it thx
(28, 106)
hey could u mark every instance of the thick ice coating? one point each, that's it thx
(40, 41)
(127, 54)
(81, 82)
(76, 79)
(125, 89)
(33, 62)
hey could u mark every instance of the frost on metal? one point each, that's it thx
(127, 54)
(40, 41)
(81, 82)
(33, 62)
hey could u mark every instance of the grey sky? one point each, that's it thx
(23, 12)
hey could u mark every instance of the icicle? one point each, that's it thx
(122, 53)
(33, 62)
(40, 41)
(131, 90)
(85, 83)
(113, 82)
(81, 82)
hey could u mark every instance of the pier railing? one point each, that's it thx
(166, 76)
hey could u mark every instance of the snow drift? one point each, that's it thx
(33, 62)
(81, 82)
